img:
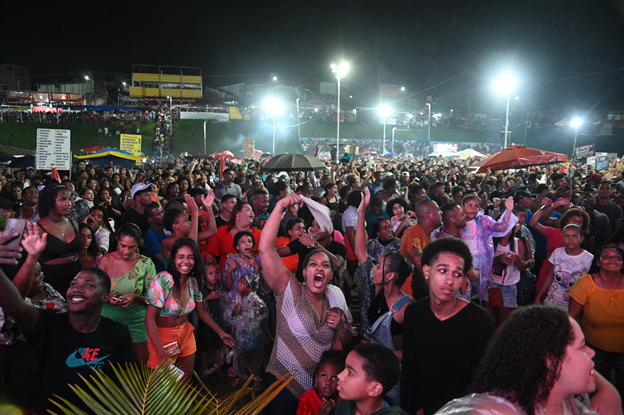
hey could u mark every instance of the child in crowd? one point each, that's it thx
(244, 262)
(323, 398)
(568, 265)
(244, 312)
(509, 261)
(371, 370)
(208, 342)
(478, 234)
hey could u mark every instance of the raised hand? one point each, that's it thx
(365, 201)
(32, 242)
(208, 199)
(509, 203)
(190, 204)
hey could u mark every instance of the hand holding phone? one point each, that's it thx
(9, 243)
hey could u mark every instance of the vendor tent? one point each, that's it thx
(112, 157)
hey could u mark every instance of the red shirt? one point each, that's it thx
(222, 244)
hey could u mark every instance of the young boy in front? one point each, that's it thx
(371, 370)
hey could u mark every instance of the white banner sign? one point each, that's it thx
(53, 149)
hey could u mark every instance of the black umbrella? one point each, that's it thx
(4, 157)
(22, 162)
(293, 162)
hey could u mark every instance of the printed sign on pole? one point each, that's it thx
(53, 149)
(131, 143)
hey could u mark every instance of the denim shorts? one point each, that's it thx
(510, 294)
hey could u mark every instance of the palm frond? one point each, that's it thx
(138, 390)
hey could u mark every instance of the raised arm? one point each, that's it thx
(275, 273)
(11, 301)
(534, 222)
(360, 226)
(504, 224)
(212, 224)
(34, 245)
(194, 211)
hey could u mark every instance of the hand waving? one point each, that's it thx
(32, 242)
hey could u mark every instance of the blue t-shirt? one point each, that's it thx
(153, 242)
(540, 240)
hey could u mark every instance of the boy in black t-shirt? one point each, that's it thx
(73, 344)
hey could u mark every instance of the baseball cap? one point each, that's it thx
(595, 176)
(520, 194)
(405, 173)
(139, 187)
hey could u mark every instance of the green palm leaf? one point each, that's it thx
(138, 390)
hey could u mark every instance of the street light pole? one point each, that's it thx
(383, 144)
(506, 83)
(338, 122)
(384, 111)
(507, 118)
(392, 147)
(341, 72)
(429, 123)
(273, 133)
(274, 106)
(204, 139)
(298, 124)
(576, 123)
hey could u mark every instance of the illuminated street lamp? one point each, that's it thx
(384, 110)
(341, 72)
(576, 123)
(506, 83)
(275, 107)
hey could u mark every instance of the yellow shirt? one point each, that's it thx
(603, 314)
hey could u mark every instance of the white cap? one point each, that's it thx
(139, 187)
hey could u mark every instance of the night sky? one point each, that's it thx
(567, 54)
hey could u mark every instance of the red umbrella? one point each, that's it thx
(93, 149)
(515, 157)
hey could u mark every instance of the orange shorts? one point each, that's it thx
(184, 335)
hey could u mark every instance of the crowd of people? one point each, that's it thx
(384, 285)
(403, 147)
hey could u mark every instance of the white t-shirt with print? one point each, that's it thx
(469, 236)
(567, 270)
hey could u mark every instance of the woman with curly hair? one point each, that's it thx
(537, 364)
(401, 217)
(59, 260)
(554, 236)
(172, 296)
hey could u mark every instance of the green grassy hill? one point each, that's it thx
(189, 135)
